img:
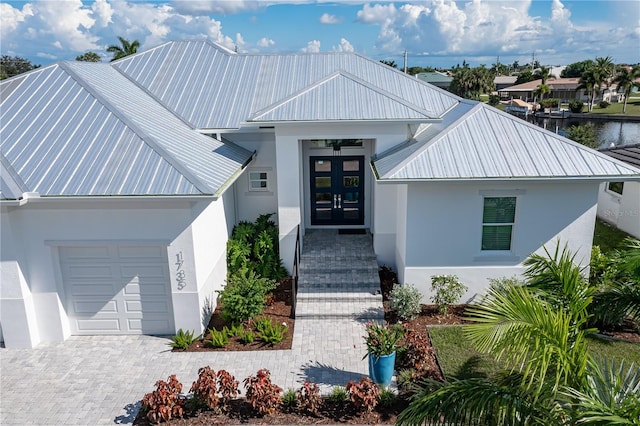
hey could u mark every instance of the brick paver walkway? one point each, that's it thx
(99, 380)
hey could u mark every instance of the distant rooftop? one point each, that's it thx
(630, 154)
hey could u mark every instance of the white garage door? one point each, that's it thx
(117, 290)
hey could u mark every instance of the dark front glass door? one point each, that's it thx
(337, 190)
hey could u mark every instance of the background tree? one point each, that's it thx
(524, 77)
(588, 82)
(126, 48)
(585, 135)
(88, 57)
(418, 70)
(603, 71)
(470, 83)
(391, 63)
(543, 73)
(576, 69)
(14, 65)
(625, 79)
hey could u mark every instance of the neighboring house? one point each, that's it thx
(565, 89)
(438, 79)
(121, 182)
(504, 81)
(619, 202)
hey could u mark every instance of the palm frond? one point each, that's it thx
(479, 401)
(630, 257)
(531, 335)
(611, 396)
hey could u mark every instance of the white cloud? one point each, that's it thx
(265, 42)
(329, 19)
(102, 12)
(344, 46)
(205, 7)
(312, 47)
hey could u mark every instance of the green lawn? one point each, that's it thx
(459, 359)
(608, 237)
(633, 108)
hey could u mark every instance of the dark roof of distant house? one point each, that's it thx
(630, 154)
(434, 77)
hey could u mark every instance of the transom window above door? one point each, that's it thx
(336, 143)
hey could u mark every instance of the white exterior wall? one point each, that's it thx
(33, 301)
(290, 163)
(444, 229)
(622, 211)
(251, 204)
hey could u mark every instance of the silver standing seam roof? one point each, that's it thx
(135, 127)
(485, 143)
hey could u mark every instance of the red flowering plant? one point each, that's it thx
(382, 339)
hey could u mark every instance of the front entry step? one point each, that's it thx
(338, 278)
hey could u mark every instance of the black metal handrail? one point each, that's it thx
(295, 273)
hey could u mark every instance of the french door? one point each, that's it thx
(337, 190)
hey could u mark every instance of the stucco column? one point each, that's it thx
(17, 311)
(289, 202)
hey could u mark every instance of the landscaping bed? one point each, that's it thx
(279, 310)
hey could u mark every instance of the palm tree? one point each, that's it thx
(588, 82)
(625, 80)
(539, 330)
(603, 70)
(543, 74)
(126, 48)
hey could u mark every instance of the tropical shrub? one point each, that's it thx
(448, 290)
(387, 398)
(247, 337)
(244, 296)
(263, 395)
(364, 394)
(550, 103)
(183, 339)
(576, 105)
(603, 104)
(405, 300)
(289, 399)
(204, 389)
(382, 339)
(163, 403)
(255, 247)
(308, 397)
(227, 386)
(584, 134)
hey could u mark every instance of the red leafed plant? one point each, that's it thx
(163, 404)
(263, 395)
(228, 387)
(309, 398)
(214, 390)
(204, 389)
(364, 394)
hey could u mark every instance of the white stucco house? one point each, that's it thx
(121, 182)
(619, 201)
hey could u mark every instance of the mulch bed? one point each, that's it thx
(241, 412)
(279, 309)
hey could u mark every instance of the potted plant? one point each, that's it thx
(382, 342)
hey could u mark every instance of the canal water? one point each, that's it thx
(609, 133)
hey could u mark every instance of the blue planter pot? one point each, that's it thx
(381, 368)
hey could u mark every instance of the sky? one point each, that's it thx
(436, 33)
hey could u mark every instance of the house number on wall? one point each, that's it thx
(181, 275)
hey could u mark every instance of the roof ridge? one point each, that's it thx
(336, 74)
(146, 138)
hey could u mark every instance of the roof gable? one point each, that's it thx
(341, 96)
(485, 143)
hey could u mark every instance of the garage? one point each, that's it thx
(116, 289)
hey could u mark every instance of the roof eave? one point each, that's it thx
(608, 178)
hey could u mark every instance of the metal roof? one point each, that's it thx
(332, 97)
(76, 128)
(212, 88)
(630, 154)
(485, 143)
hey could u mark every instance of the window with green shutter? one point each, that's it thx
(497, 222)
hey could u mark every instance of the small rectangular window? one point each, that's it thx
(498, 217)
(258, 181)
(616, 187)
